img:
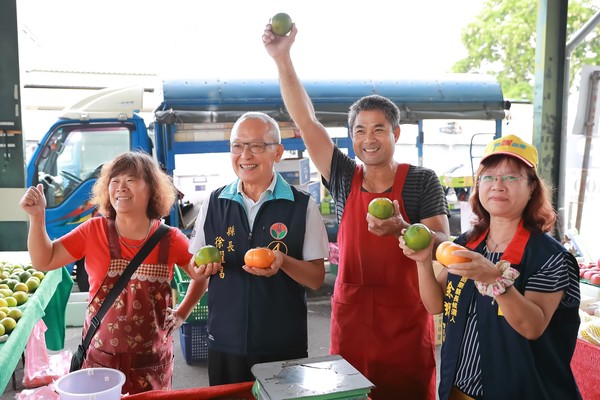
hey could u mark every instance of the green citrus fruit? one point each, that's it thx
(11, 301)
(3, 302)
(20, 297)
(15, 314)
(38, 274)
(417, 236)
(381, 207)
(12, 282)
(23, 276)
(2, 330)
(6, 292)
(3, 314)
(32, 284)
(9, 324)
(207, 254)
(281, 24)
(5, 310)
(20, 287)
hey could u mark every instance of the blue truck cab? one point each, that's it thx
(196, 116)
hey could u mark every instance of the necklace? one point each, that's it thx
(133, 246)
(496, 245)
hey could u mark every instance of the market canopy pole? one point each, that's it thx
(548, 96)
(13, 225)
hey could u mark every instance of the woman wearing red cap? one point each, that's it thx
(510, 314)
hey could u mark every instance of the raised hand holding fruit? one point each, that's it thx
(281, 24)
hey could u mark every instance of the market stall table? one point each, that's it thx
(48, 301)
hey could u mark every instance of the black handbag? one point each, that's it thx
(80, 354)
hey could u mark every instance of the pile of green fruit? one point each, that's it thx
(17, 283)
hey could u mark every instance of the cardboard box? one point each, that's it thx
(296, 171)
(313, 188)
(75, 312)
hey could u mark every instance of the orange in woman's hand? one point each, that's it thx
(444, 253)
(259, 257)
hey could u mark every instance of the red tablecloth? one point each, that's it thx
(238, 391)
(585, 365)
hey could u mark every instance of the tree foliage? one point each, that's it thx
(501, 42)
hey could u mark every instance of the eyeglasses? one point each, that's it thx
(255, 147)
(488, 179)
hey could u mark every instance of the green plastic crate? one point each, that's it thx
(200, 310)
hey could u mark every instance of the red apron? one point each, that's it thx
(131, 337)
(378, 322)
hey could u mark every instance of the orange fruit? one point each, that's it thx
(259, 257)
(281, 24)
(417, 236)
(381, 207)
(444, 253)
(206, 255)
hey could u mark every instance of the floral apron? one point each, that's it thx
(378, 322)
(131, 336)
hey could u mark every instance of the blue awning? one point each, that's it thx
(452, 96)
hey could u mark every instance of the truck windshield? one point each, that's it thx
(74, 154)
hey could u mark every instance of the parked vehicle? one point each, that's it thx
(451, 127)
(196, 116)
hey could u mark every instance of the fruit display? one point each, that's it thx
(259, 257)
(206, 255)
(444, 255)
(17, 283)
(281, 24)
(590, 273)
(417, 236)
(381, 207)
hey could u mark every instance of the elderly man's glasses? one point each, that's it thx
(255, 147)
(488, 179)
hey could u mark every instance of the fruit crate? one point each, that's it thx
(193, 337)
(200, 310)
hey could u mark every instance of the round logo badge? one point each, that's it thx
(278, 230)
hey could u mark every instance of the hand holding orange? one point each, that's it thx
(206, 255)
(381, 207)
(259, 257)
(281, 24)
(444, 253)
(417, 236)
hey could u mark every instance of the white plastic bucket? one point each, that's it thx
(91, 384)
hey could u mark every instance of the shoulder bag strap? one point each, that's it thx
(122, 282)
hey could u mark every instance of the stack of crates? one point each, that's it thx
(193, 334)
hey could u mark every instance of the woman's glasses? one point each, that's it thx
(489, 179)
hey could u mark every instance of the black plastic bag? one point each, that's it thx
(77, 359)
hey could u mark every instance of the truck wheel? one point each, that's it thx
(81, 276)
